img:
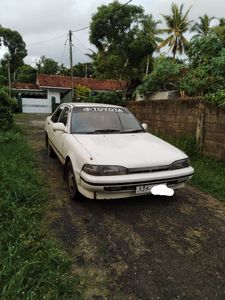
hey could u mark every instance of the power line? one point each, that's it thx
(85, 48)
(86, 27)
(47, 41)
(64, 49)
(77, 30)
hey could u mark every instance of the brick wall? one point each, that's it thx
(214, 131)
(181, 117)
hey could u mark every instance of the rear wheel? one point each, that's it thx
(71, 183)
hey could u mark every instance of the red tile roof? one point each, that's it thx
(59, 81)
(25, 86)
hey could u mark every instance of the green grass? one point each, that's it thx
(32, 265)
(209, 173)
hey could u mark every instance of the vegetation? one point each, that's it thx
(177, 24)
(26, 74)
(16, 49)
(124, 37)
(217, 98)
(7, 106)
(47, 65)
(82, 92)
(165, 76)
(202, 28)
(32, 264)
(209, 173)
(115, 98)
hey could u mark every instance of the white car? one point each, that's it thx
(108, 154)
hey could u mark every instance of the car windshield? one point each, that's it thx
(107, 120)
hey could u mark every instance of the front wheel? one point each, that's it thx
(71, 183)
(50, 151)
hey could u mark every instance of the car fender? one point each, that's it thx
(77, 154)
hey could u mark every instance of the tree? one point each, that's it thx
(200, 51)
(16, 48)
(165, 76)
(203, 26)
(7, 106)
(207, 66)
(82, 92)
(26, 74)
(177, 24)
(119, 32)
(219, 30)
(79, 70)
(47, 66)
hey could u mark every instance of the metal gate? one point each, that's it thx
(36, 105)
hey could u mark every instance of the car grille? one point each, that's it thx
(148, 169)
(132, 187)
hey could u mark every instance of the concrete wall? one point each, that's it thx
(186, 117)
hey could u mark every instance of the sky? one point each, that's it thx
(44, 24)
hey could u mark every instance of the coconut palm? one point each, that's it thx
(219, 30)
(177, 24)
(203, 26)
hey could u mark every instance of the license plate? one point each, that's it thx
(143, 189)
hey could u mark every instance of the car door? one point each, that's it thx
(59, 136)
(51, 121)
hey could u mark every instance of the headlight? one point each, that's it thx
(180, 164)
(104, 170)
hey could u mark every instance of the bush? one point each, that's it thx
(199, 81)
(165, 76)
(218, 98)
(7, 106)
(114, 98)
(82, 92)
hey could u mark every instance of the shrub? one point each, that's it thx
(7, 106)
(218, 98)
(82, 92)
(165, 76)
(114, 98)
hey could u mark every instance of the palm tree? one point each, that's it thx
(203, 26)
(150, 29)
(221, 22)
(177, 24)
(219, 30)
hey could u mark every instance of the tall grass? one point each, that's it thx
(32, 266)
(209, 173)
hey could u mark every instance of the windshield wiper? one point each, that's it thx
(104, 131)
(133, 131)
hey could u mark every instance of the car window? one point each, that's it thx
(128, 121)
(103, 120)
(64, 115)
(56, 114)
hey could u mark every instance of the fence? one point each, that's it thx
(190, 117)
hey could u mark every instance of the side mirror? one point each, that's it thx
(145, 126)
(59, 127)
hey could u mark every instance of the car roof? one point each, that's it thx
(86, 104)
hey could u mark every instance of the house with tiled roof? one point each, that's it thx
(51, 90)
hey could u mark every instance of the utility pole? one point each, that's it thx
(9, 75)
(86, 70)
(147, 66)
(71, 65)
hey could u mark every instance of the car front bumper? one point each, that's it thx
(123, 186)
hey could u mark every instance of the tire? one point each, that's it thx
(50, 151)
(71, 183)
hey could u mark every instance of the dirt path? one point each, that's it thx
(140, 248)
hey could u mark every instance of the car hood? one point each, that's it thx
(129, 150)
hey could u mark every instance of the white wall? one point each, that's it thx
(54, 93)
(36, 105)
